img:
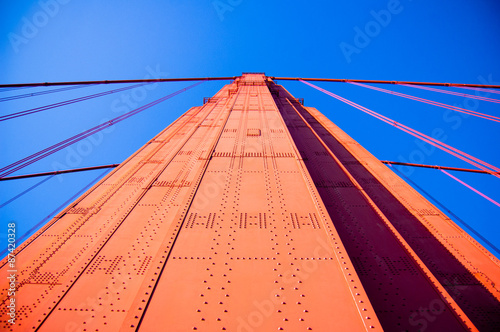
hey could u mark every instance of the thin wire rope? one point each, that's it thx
(64, 171)
(477, 171)
(462, 155)
(493, 170)
(466, 95)
(54, 212)
(44, 153)
(9, 169)
(39, 93)
(12, 89)
(145, 80)
(413, 132)
(431, 102)
(26, 191)
(93, 130)
(479, 89)
(66, 102)
(16, 85)
(471, 188)
(441, 205)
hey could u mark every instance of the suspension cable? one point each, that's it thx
(491, 86)
(26, 95)
(146, 80)
(14, 89)
(25, 191)
(441, 205)
(66, 102)
(9, 169)
(480, 89)
(82, 169)
(429, 166)
(431, 102)
(445, 147)
(466, 95)
(55, 211)
(471, 188)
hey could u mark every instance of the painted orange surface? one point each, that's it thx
(252, 213)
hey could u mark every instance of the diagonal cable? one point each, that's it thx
(66, 102)
(466, 95)
(431, 102)
(448, 211)
(9, 169)
(26, 191)
(493, 170)
(471, 188)
(26, 95)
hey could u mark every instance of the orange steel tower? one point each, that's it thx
(252, 213)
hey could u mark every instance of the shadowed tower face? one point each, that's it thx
(252, 213)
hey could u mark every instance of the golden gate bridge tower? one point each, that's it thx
(250, 213)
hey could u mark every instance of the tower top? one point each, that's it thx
(251, 79)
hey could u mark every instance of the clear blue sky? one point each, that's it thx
(419, 40)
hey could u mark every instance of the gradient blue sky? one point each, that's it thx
(420, 40)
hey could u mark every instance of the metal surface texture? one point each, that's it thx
(252, 213)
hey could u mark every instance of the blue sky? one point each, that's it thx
(417, 40)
